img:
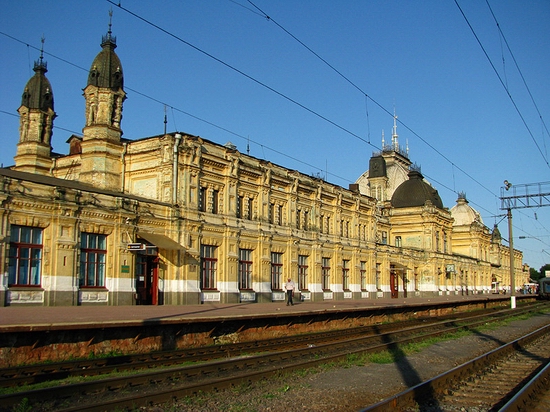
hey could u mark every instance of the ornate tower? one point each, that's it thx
(36, 116)
(104, 94)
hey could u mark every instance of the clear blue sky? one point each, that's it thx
(227, 73)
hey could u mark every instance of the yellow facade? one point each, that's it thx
(177, 219)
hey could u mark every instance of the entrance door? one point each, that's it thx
(146, 280)
(394, 284)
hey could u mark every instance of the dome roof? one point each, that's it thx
(463, 213)
(415, 192)
(38, 90)
(106, 70)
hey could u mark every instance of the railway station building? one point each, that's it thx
(177, 219)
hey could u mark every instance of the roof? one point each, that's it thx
(415, 192)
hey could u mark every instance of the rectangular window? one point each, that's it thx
(378, 274)
(398, 241)
(209, 265)
(325, 273)
(93, 257)
(321, 223)
(271, 213)
(276, 270)
(306, 217)
(363, 275)
(245, 269)
(215, 201)
(384, 238)
(345, 274)
(25, 256)
(249, 211)
(240, 206)
(202, 199)
(302, 272)
(298, 218)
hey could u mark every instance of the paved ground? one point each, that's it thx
(64, 317)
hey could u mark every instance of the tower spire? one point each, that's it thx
(394, 136)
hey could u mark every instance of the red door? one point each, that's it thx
(147, 280)
(394, 284)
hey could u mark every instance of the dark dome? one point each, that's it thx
(38, 90)
(415, 192)
(106, 70)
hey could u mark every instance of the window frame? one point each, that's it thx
(209, 267)
(245, 269)
(302, 272)
(34, 247)
(96, 246)
(276, 271)
(325, 273)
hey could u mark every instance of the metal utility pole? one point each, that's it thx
(512, 271)
(517, 197)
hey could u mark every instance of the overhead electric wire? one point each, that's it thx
(284, 96)
(519, 70)
(503, 85)
(269, 18)
(263, 146)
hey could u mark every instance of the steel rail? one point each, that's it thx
(33, 374)
(286, 360)
(431, 388)
(525, 399)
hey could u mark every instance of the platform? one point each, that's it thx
(64, 317)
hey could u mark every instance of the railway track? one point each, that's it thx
(34, 374)
(504, 379)
(158, 386)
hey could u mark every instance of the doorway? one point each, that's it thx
(147, 279)
(394, 284)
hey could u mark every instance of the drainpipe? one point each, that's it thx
(175, 170)
(123, 161)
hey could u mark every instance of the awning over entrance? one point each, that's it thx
(161, 241)
(398, 266)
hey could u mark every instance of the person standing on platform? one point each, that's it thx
(289, 287)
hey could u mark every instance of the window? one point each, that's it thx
(302, 272)
(345, 274)
(437, 241)
(325, 273)
(209, 264)
(240, 206)
(245, 269)
(363, 274)
(384, 238)
(276, 270)
(25, 256)
(378, 274)
(249, 211)
(93, 255)
(398, 241)
(271, 213)
(202, 199)
(306, 218)
(298, 218)
(215, 201)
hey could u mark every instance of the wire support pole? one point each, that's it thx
(512, 271)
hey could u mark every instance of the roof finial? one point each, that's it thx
(394, 136)
(109, 39)
(40, 64)
(110, 21)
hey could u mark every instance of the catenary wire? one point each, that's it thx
(503, 85)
